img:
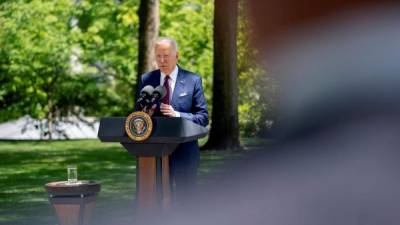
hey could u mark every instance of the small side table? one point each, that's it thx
(73, 202)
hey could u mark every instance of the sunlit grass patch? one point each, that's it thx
(26, 166)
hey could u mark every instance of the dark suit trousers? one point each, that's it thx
(183, 163)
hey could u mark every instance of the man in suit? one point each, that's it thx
(184, 98)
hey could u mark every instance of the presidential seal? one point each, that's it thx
(138, 126)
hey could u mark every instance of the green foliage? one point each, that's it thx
(257, 90)
(62, 57)
(106, 33)
(190, 23)
(35, 47)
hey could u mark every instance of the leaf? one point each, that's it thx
(50, 19)
(97, 39)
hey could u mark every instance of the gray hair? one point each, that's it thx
(168, 40)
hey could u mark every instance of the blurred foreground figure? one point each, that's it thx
(338, 158)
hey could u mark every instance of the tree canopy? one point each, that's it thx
(80, 57)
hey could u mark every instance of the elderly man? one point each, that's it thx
(184, 98)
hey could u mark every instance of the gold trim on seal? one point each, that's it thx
(138, 126)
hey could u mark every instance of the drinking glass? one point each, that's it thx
(72, 174)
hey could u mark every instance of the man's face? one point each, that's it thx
(166, 58)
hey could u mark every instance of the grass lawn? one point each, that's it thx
(26, 166)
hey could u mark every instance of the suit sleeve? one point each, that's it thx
(199, 113)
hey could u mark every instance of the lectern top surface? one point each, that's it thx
(165, 130)
(65, 187)
(72, 184)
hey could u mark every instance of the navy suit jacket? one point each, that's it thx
(188, 97)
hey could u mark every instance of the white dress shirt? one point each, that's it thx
(172, 81)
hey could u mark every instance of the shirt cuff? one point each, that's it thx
(177, 114)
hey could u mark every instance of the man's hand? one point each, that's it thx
(167, 110)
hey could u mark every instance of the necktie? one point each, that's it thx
(165, 100)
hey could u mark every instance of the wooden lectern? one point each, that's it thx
(152, 170)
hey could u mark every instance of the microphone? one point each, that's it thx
(158, 93)
(144, 96)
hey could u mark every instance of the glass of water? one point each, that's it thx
(72, 174)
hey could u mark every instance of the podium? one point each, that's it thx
(152, 169)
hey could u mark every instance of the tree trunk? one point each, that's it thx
(149, 22)
(224, 132)
(50, 118)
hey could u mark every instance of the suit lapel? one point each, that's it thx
(156, 80)
(179, 87)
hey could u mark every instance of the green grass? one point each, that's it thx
(25, 167)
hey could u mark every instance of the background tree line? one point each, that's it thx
(61, 58)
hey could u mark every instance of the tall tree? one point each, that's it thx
(224, 132)
(149, 23)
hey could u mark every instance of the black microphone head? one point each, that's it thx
(161, 90)
(158, 93)
(144, 96)
(147, 89)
